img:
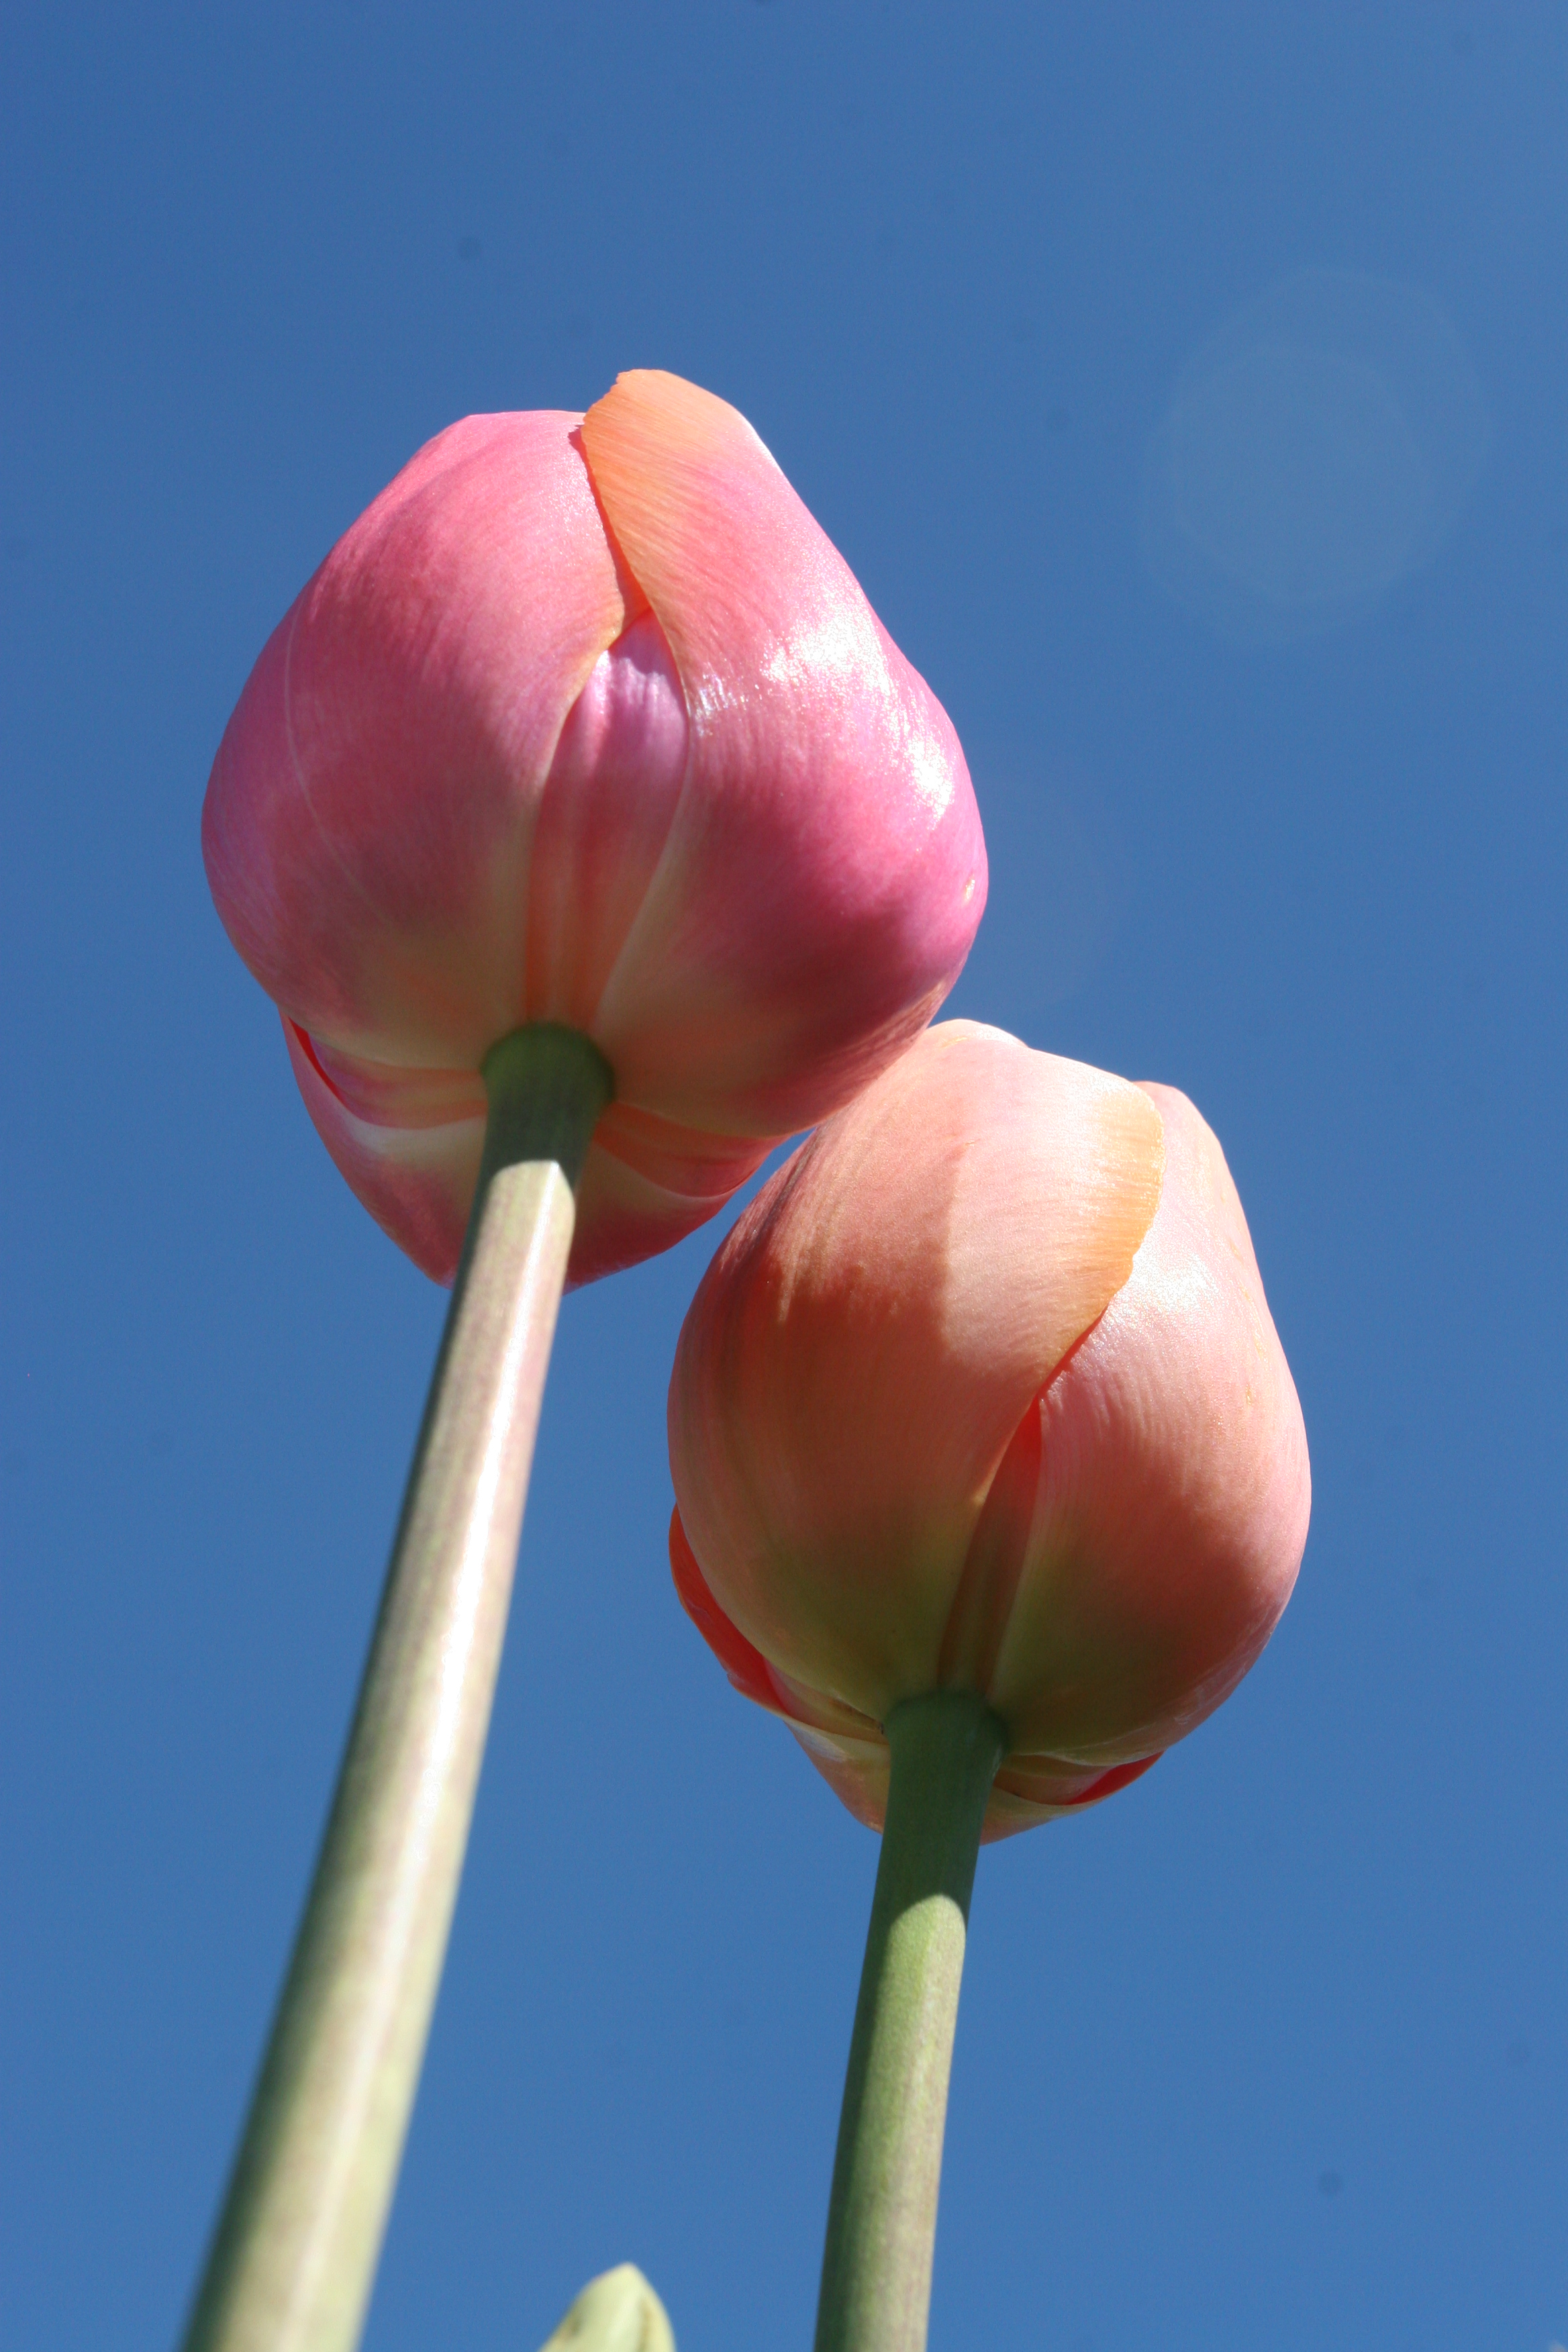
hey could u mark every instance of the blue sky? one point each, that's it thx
(1187, 389)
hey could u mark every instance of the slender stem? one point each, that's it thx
(295, 2250)
(882, 2220)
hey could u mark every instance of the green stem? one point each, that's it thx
(882, 2220)
(295, 2251)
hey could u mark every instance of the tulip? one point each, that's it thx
(990, 1480)
(590, 835)
(585, 722)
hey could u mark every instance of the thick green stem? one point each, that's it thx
(881, 2221)
(295, 2251)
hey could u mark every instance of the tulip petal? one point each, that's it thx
(416, 1179)
(748, 1670)
(426, 670)
(825, 869)
(1162, 1539)
(604, 818)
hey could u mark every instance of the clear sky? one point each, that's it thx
(1188, 387)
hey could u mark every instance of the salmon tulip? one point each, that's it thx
(585, 722)
(981, 1393)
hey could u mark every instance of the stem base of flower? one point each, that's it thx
(876, 2269)
(295, 2251)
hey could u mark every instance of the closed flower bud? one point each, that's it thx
(584, 721)
(618, 2312)
(983, 1393)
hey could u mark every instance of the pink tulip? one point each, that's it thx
(981, 1393)
(584, 721)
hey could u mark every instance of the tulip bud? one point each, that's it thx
(618, 2312)
(585, 722)
(981, 1393)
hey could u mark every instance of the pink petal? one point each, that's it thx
(416, 1179)
(368, 824)
(604, 819)
(826, 868)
